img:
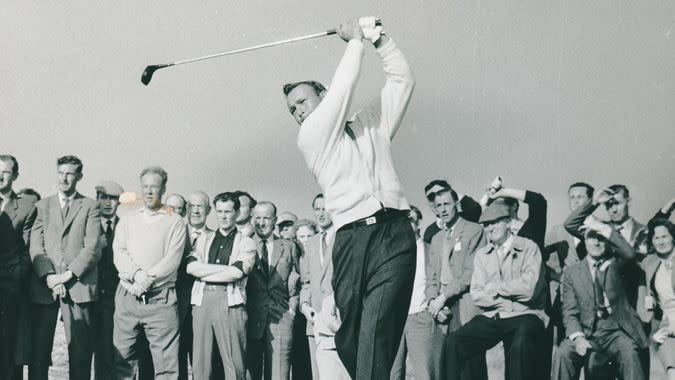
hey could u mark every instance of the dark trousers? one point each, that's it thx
(104, 351)
(523, 335)
(78, 323)
(301, 365)
(374, 268)
(609, 343)
(9, 306)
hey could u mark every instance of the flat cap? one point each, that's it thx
(286, 217)
(109, 188)
(435, 186)
(496, 210)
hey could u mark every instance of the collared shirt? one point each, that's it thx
(356, 170)
(104, 222)
(591, 265)
(62, 199)
(221, 248)
(504, 250)
(195, 233)
(418, 301)
(4, 200)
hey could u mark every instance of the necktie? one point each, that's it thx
(324, 247)
(108, 231)
(264, 260)
(598, 290)
(64, 209)
(193, 237)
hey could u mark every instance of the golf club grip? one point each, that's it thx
(330, 32)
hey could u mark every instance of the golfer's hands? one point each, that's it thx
(581, 345)
(308, 312)
(351, 30)
(143, 280)
(371, 31)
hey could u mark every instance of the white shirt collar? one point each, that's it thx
(62, 198)
(104, 221)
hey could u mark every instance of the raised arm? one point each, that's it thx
(398, 87)
(576, 219)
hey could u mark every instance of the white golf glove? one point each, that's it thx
(371, 31)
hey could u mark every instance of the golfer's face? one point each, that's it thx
(226, 215)
(302, 101)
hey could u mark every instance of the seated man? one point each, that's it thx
(597, 313)
(507, 286)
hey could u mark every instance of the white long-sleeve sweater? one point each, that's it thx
(357, 175)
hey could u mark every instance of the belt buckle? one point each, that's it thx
(143, 299)
(371, 220)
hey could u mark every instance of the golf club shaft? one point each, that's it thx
(282, 42)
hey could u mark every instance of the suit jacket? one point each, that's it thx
(16, 222)
(449, 265)
(57, 245)
(243, 250)
(579, 309)
(271, 296)
(633, 281)
(315, 277)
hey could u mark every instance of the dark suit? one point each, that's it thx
(272, 301)
(58, 244)
(619, 335)
(15, 224)
(105, 307)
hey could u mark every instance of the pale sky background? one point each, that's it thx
(543, 93)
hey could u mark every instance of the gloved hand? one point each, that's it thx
(371, 31)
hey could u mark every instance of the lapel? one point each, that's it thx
(11, 206)
(276, 253)
(586, 282)
(456, 236)
(207, 239)
(651, 265)
(72, 211)
(54, 207)
(327, 256)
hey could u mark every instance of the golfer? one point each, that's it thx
(350, 156)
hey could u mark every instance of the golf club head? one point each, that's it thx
(146, 77)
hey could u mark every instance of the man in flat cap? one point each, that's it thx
(286, 225)
(507, 286)
(108, 198)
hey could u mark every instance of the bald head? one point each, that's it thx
(198, 208)
(177, 203)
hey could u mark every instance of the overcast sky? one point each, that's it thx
(543, 93)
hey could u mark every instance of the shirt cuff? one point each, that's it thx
(239, 265)
(190, 259)
(576, 335)
(385, 49)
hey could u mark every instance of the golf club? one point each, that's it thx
(146, 77)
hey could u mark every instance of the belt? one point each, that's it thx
(146, 298)
(221, 287)
(384, 215)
